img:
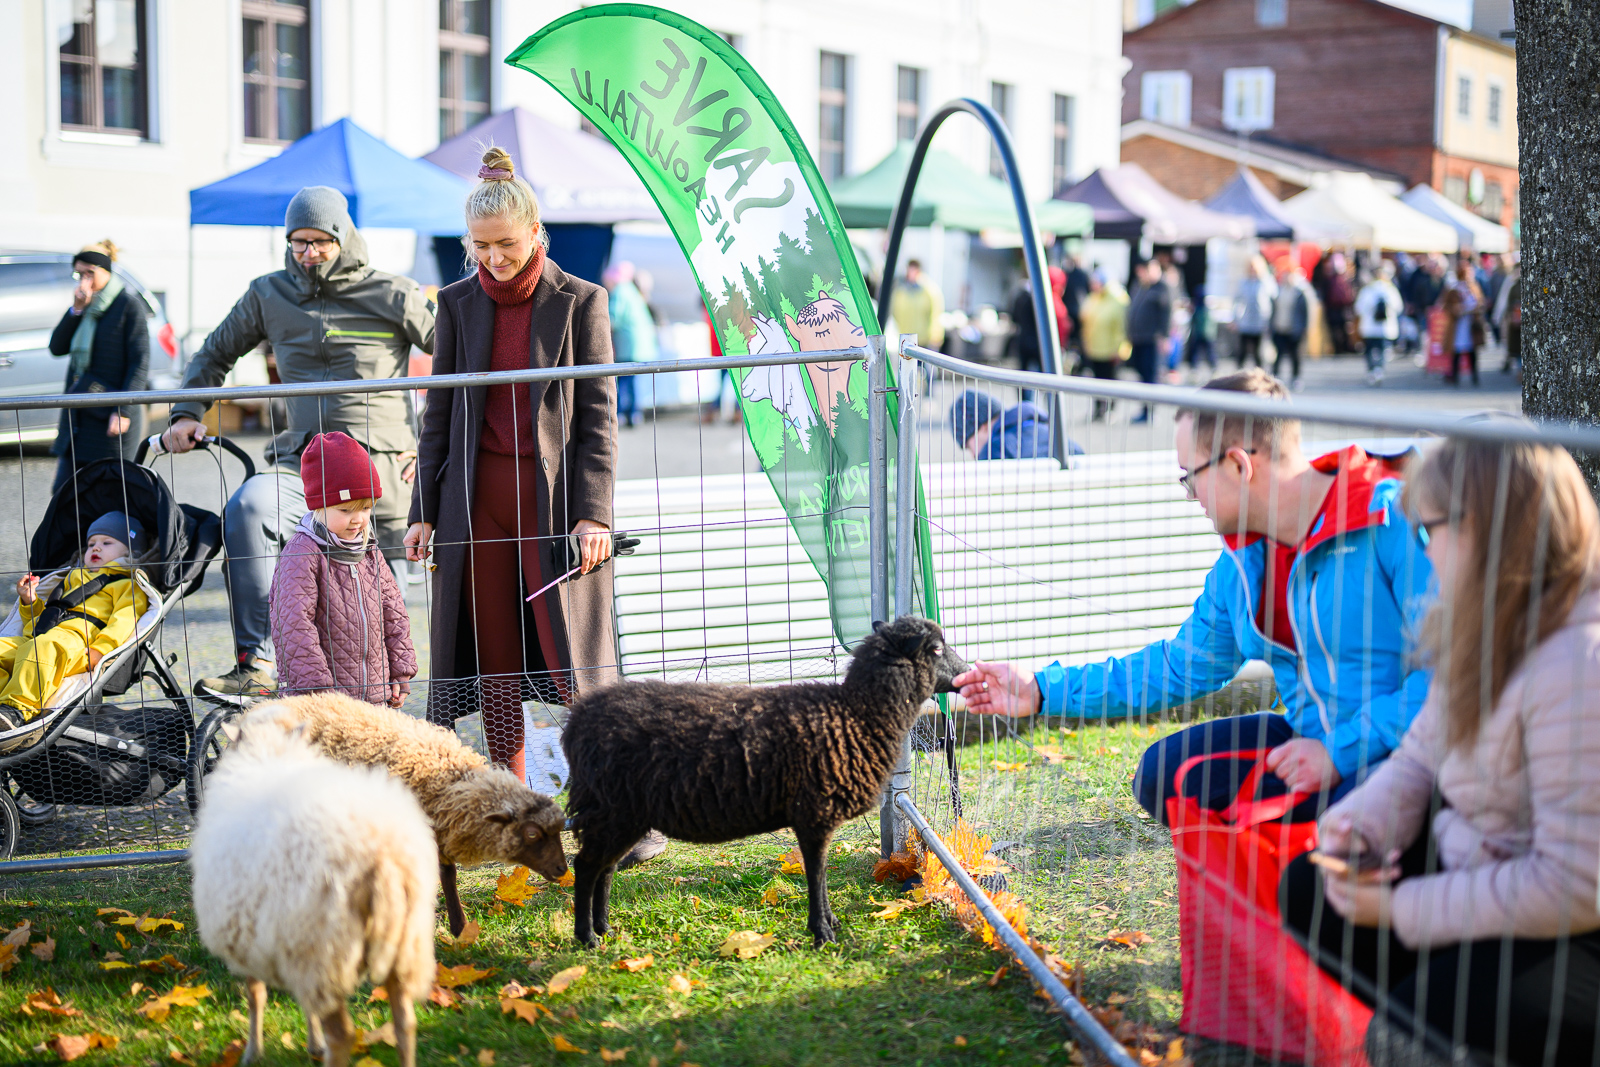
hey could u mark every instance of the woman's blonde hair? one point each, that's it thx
(501, 194)
(106, 248)
(1530, 553)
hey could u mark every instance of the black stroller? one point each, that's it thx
(93, 751)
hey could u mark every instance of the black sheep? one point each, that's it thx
(712, 763)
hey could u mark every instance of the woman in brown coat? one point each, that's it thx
(506, 472)
(1463, 323)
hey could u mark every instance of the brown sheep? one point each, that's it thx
(480, 813)
(710, 763)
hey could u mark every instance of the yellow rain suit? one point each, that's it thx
(33, 666)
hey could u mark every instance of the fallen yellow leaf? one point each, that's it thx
(368, 1061)
(791, 862)
(486, 1057)
(445, 998)
(120, 939)
(960, 1042)
(1002, 765)
(898, 867)
(45, 950)
(565, 880)
(746, 944)
(18, 937)
(1052, 754)
(637, 964)
(48, 1001)
(115, 965)
(469, 935)
(156, 1009)
(70, 1046)
(148, 925)
(383, 1035)
(563, 1045)
(1175, 1049)
(614, 1055)
(1130, 938)
(514, 989)
(526, 1010)
(515, 888)
(8, 957)
(232, 1052)
(113, 911)
(460, 975)
(899, 907)
(562, 979)
(778, 891)
(287, 1040)
(679, 983)
(169, 962)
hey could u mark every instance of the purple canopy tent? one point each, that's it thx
(1245, 195)
(1130, 205)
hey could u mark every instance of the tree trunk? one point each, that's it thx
(1558, 141)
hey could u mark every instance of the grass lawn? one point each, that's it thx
(914, 989)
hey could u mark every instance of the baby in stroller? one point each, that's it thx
(91, 613)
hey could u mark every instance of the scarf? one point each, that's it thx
(519, 288)
(337, 548)
(83, 337)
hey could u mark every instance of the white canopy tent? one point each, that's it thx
(1352, 210)
(1474, 231)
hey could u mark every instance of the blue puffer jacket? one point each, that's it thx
(1023, 432)
(1356, 591)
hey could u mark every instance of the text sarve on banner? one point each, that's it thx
(746, 203)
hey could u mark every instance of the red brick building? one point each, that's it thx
(1357, 80)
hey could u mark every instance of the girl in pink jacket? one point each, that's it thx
(338, 618)
(1465, 911)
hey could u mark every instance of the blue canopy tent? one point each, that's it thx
(386, 189)
(1245, 195)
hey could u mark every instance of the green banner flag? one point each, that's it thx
(775, 267)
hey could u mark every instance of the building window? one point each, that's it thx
(1000, 99)
(1464, 97)
(1455, 189)
(1061, 142)
(833, 102)
(908, 103)
(1491, 113)
(1164, 96)
(1494, 201)
(103, 77)
(463, 65)
(1247, 98)
(277, 70)
(1270, 13)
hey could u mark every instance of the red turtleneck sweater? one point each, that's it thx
(508, 414)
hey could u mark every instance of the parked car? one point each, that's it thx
(35, 291)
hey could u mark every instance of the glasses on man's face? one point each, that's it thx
(1187, 480)
(321, 244)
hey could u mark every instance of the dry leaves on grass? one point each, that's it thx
(165, 965)
(1129, 938)
(45, 951)
(895, 908)
(148, 924)
(232, 1052)
(383, 1035)
(109, 964)
(486, 1057)
(746, 944)
(460, 975)
(70, 1046)
(515, 989)
(469, 936)
(791, 862)
(8, 957)
(1009, 768)
(562, 979)
(898, 867)
(614, 1055)
(526, 1010)
(1052, 754)
(565, 880)
(48, 1001)
(682, 983)
(778, 891)
(637, 964)
(563, 1045)
(157, 1008)
(516, 887)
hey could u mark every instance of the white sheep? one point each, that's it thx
(310, 874)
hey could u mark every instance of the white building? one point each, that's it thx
(116, 108)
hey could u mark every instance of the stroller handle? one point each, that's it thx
(152, 447)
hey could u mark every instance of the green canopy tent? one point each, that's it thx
(949, 194)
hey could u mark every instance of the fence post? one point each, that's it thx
(878, 546)
(905, 571)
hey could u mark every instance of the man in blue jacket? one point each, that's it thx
(1322, 577)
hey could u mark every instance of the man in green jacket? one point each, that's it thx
(328, 316)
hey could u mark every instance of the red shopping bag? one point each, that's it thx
(1246, 980)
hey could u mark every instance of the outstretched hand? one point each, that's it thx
(999, 689)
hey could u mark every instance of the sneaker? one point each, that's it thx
(249, 680)
(10, 719)
(649, 847)
(1299, 384)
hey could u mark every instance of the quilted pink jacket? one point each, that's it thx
(339, 626)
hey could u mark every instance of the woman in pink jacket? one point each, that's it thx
(1477, 938)
(338, 619)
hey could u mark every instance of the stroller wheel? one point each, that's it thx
(10, 825)
(30, 811)
(211, 739)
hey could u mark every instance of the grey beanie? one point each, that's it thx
(319, 207)
(122, 526)
(970, 412)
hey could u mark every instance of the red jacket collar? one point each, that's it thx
(1348, 505)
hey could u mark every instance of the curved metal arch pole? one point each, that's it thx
(1044, 315)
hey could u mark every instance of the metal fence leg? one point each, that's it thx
(891, 823)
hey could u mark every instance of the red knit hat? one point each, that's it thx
(335, 468)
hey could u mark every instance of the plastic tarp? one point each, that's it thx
(578, 177)
(385, 188)
(1474, 231)
(1351, 210)
(949, 194)
(1245, 195)
(1129, 205)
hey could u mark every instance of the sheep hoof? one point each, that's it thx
(592, 941)
(824, 936)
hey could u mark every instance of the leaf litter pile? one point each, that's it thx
(708, 962)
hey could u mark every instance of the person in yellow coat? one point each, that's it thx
(90, 614)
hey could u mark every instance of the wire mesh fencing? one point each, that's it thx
(1215, 624)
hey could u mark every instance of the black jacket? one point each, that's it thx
(119, 360)
(1150, 313)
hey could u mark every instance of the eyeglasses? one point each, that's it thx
(321, 244)
(1187, 480)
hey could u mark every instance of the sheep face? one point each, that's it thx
(531, 835)
(920, 641)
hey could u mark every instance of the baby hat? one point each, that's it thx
(335, 468)
(123, 527)
(970, 412)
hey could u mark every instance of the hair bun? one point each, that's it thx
(497, 165)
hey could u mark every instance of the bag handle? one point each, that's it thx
(1245, 809)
